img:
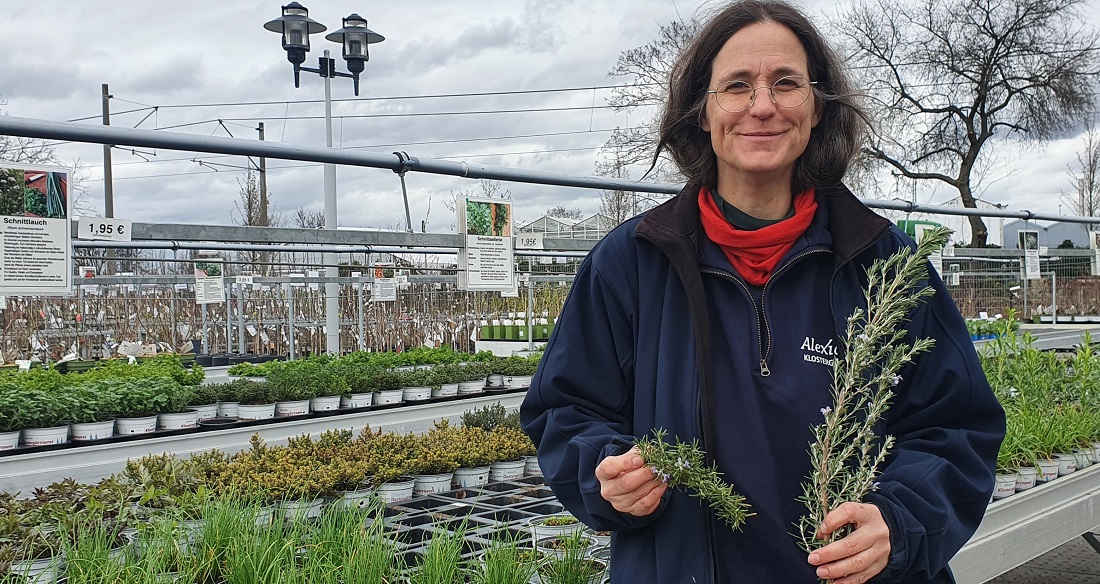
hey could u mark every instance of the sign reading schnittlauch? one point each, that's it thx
(1029, 242)
(209, 287)
(35, 236)
(488, 260)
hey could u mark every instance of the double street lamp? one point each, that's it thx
(295, 26)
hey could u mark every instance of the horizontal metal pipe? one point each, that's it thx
(51, 130)
(96, 134)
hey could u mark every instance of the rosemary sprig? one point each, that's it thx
(683, 465)
(846, 452)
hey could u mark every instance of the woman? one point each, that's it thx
(716, 316)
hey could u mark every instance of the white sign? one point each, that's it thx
(1029, 242)
(529, 241)
(488, 259)
(88, 272)
(35, 234)
(103, 228)
(384, 286)
(209, 288)
(244, 280)
(936, 259)
(1094, 243)
(315, 286)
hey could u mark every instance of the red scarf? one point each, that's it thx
(754, 254)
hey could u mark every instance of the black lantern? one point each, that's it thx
(295, 25)
(355, 36)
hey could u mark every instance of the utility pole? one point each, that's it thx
(265, 257)
(263, 182)
(108, 181)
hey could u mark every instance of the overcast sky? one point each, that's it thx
(210, 55)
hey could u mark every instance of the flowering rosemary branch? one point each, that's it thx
(846, 452)
(683, 465)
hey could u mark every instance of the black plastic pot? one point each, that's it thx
(204, 360)
(219, 360)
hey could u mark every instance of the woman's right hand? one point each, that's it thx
(629, 485)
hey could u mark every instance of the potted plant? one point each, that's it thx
(444, 380)
(48, 406)
(358, 379)
(95, 418)
(254, 398)
(204, 400)
(292, 387)
(389, 457)
(554, 525)
(432, 463)
(142, 399)
(386, 386)
(511, 445)
(471, 452)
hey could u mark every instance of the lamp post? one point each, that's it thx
(295, 26)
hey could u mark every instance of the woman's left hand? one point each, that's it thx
(861, 555)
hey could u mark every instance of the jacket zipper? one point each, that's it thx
(764, 330)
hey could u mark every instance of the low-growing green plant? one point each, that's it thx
(490, 417)
(141, 397)
(505, 561)
(249, 392)
(441, 562)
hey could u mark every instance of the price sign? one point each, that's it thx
(529, 241)
(104, 228)
(244, 280)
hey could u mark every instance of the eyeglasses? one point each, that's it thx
(738, 96)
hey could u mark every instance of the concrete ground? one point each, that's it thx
(1074, 562)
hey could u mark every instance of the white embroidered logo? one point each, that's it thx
(818, 353)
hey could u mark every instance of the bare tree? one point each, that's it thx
(565, 212)
(616, 205)
(1085, 177)
(647, 68)
(250, 212)
(25, 150)
(307, 219)
(946, 77)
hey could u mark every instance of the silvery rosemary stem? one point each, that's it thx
(683, 465)
(846, 452)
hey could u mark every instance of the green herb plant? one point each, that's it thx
(846, 452)
(683, 465)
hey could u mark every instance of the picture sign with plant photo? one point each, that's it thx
(846, 452)
(34, 205)
(487, 262)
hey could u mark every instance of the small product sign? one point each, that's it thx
(1029, 242)
(209, 288)
(35, 236)
(487, 262)
(102, 228)
(384, 286)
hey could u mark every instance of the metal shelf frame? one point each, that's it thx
(23, 472)
(1026, 525)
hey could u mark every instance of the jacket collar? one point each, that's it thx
(675, 227)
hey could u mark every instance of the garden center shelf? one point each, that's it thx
(22, 472)
(1057, 336)
(1028, 524)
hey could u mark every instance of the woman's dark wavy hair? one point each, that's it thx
(833, 143)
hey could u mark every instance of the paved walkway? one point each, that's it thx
(1074, 562)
